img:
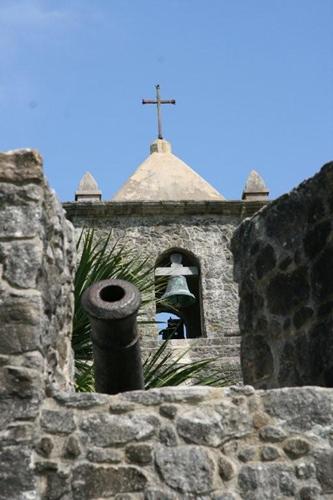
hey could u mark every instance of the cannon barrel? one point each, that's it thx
(112, 307)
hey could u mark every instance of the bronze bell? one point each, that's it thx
(177, 293)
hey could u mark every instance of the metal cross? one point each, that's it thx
(158, 102)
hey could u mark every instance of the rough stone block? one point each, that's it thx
(168, 411)
(20, 222)
(91, 482)
(168, 436)
(227, 468)
(140, 454)
(300, 408)
(14, 408)
(20, 323)
(272, 434)
(266, 481)
(201, 426)
(57, 421)
(44, 447)
(305, 470)
(118, 430)
(18, 433)
(58, 485)
(72, 448)
(22, 382)
(236, 420)
(247, 454)
(16, 477)
(310, 493)
(188, 469)
(324, 467)
(107, 455)
(296, 447)
(269, 453)
(83, 400)
(22, 261)
(22, 165)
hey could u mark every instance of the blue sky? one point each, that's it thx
(253, 82)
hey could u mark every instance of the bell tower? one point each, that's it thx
(172, 215)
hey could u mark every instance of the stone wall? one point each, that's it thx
(173, 443)
(283, 264)
(187, 443)
(36, 263)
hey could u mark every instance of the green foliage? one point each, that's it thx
(100, 260)
(161, 370)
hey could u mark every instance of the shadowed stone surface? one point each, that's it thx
(283, 255)
(140, 454)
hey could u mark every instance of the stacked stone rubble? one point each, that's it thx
(188, 443)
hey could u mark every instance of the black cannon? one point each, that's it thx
(112, 307)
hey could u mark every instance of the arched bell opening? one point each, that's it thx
(180, 294)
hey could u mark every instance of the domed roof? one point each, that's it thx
(165, 177)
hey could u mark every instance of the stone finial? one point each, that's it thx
(160, 146)
(88, 189)
(255, 188)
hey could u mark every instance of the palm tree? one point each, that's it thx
(102, 260)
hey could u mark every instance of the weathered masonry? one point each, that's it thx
(166, 208)
(186, 443)
(283, 263)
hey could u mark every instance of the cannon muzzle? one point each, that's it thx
(112, 307)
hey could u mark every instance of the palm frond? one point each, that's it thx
(100, 259)
(161, 369)
(84, 377)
